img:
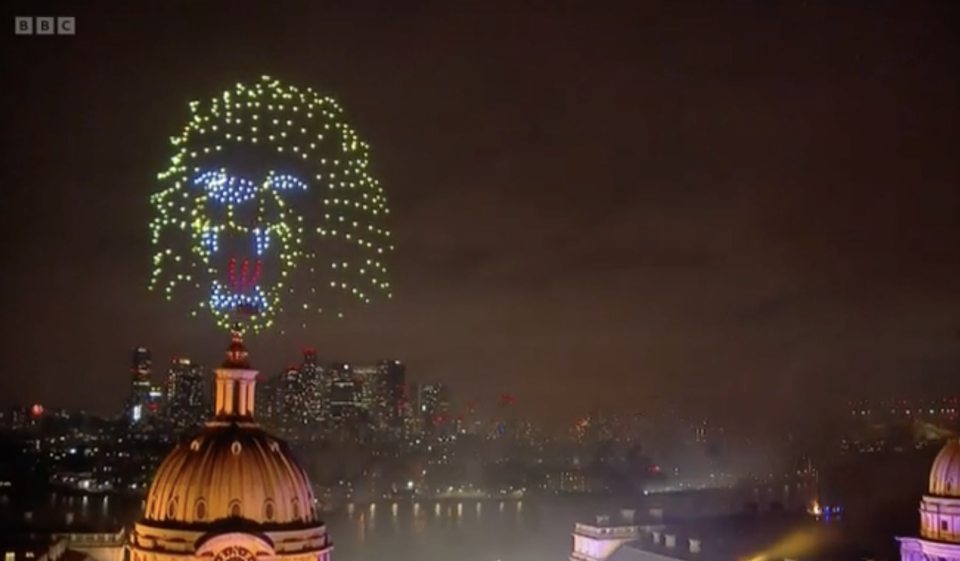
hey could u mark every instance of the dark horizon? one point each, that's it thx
(743, 210)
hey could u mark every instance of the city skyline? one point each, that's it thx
(718, 205)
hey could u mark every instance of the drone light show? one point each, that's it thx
(268, 207)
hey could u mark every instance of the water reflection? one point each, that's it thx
(411, 530)
(362, 528)
(524, 531)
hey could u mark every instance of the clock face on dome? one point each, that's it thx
(234, 553)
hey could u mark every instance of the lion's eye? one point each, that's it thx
(284, 182)
(226, 188)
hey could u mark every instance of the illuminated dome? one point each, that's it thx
(232, 492)
(945, 473)
(230, 472)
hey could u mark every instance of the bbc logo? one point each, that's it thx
(27, 25)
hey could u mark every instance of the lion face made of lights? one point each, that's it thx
(268, 207)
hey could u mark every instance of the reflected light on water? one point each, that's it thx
(417, 529)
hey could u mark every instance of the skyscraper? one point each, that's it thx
(346, 395)
(316, 388)
(388, 394)
(155, 400)
(292, 399)
(185, 404)
(430, 404)
(366, 376)
(138, 403)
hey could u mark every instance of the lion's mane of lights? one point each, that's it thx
(317, 152)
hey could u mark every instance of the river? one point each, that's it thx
(532, 529)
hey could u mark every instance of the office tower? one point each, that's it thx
(315, 387)
(292, 400)
(185, 404)
(138, 402)
(346, 395)
(387, 394)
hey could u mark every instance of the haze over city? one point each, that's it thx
(498, 281)
(707, 204)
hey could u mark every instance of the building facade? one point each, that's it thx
(232, 492)
(939, 511)
(139, 400)
(185, 405)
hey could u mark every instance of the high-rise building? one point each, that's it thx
(138, 403)
(346, 395)
(155, 400)
(185, 404)
(268, 399)
(430, 404)
(315, 386)
(436, 399)
(292, 400)
(142, 362)
(389, 394)
(366, 376)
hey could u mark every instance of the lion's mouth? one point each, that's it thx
(243, 275)
(240, 290)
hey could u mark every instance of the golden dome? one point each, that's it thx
(230, 471)
(233, 491)
(945, 473)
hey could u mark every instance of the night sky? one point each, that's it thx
(732, 209)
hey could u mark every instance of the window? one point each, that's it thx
(268, 510)
(943, 525)
(235, 510)
(201, 509)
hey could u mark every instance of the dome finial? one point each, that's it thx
(237, 352)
